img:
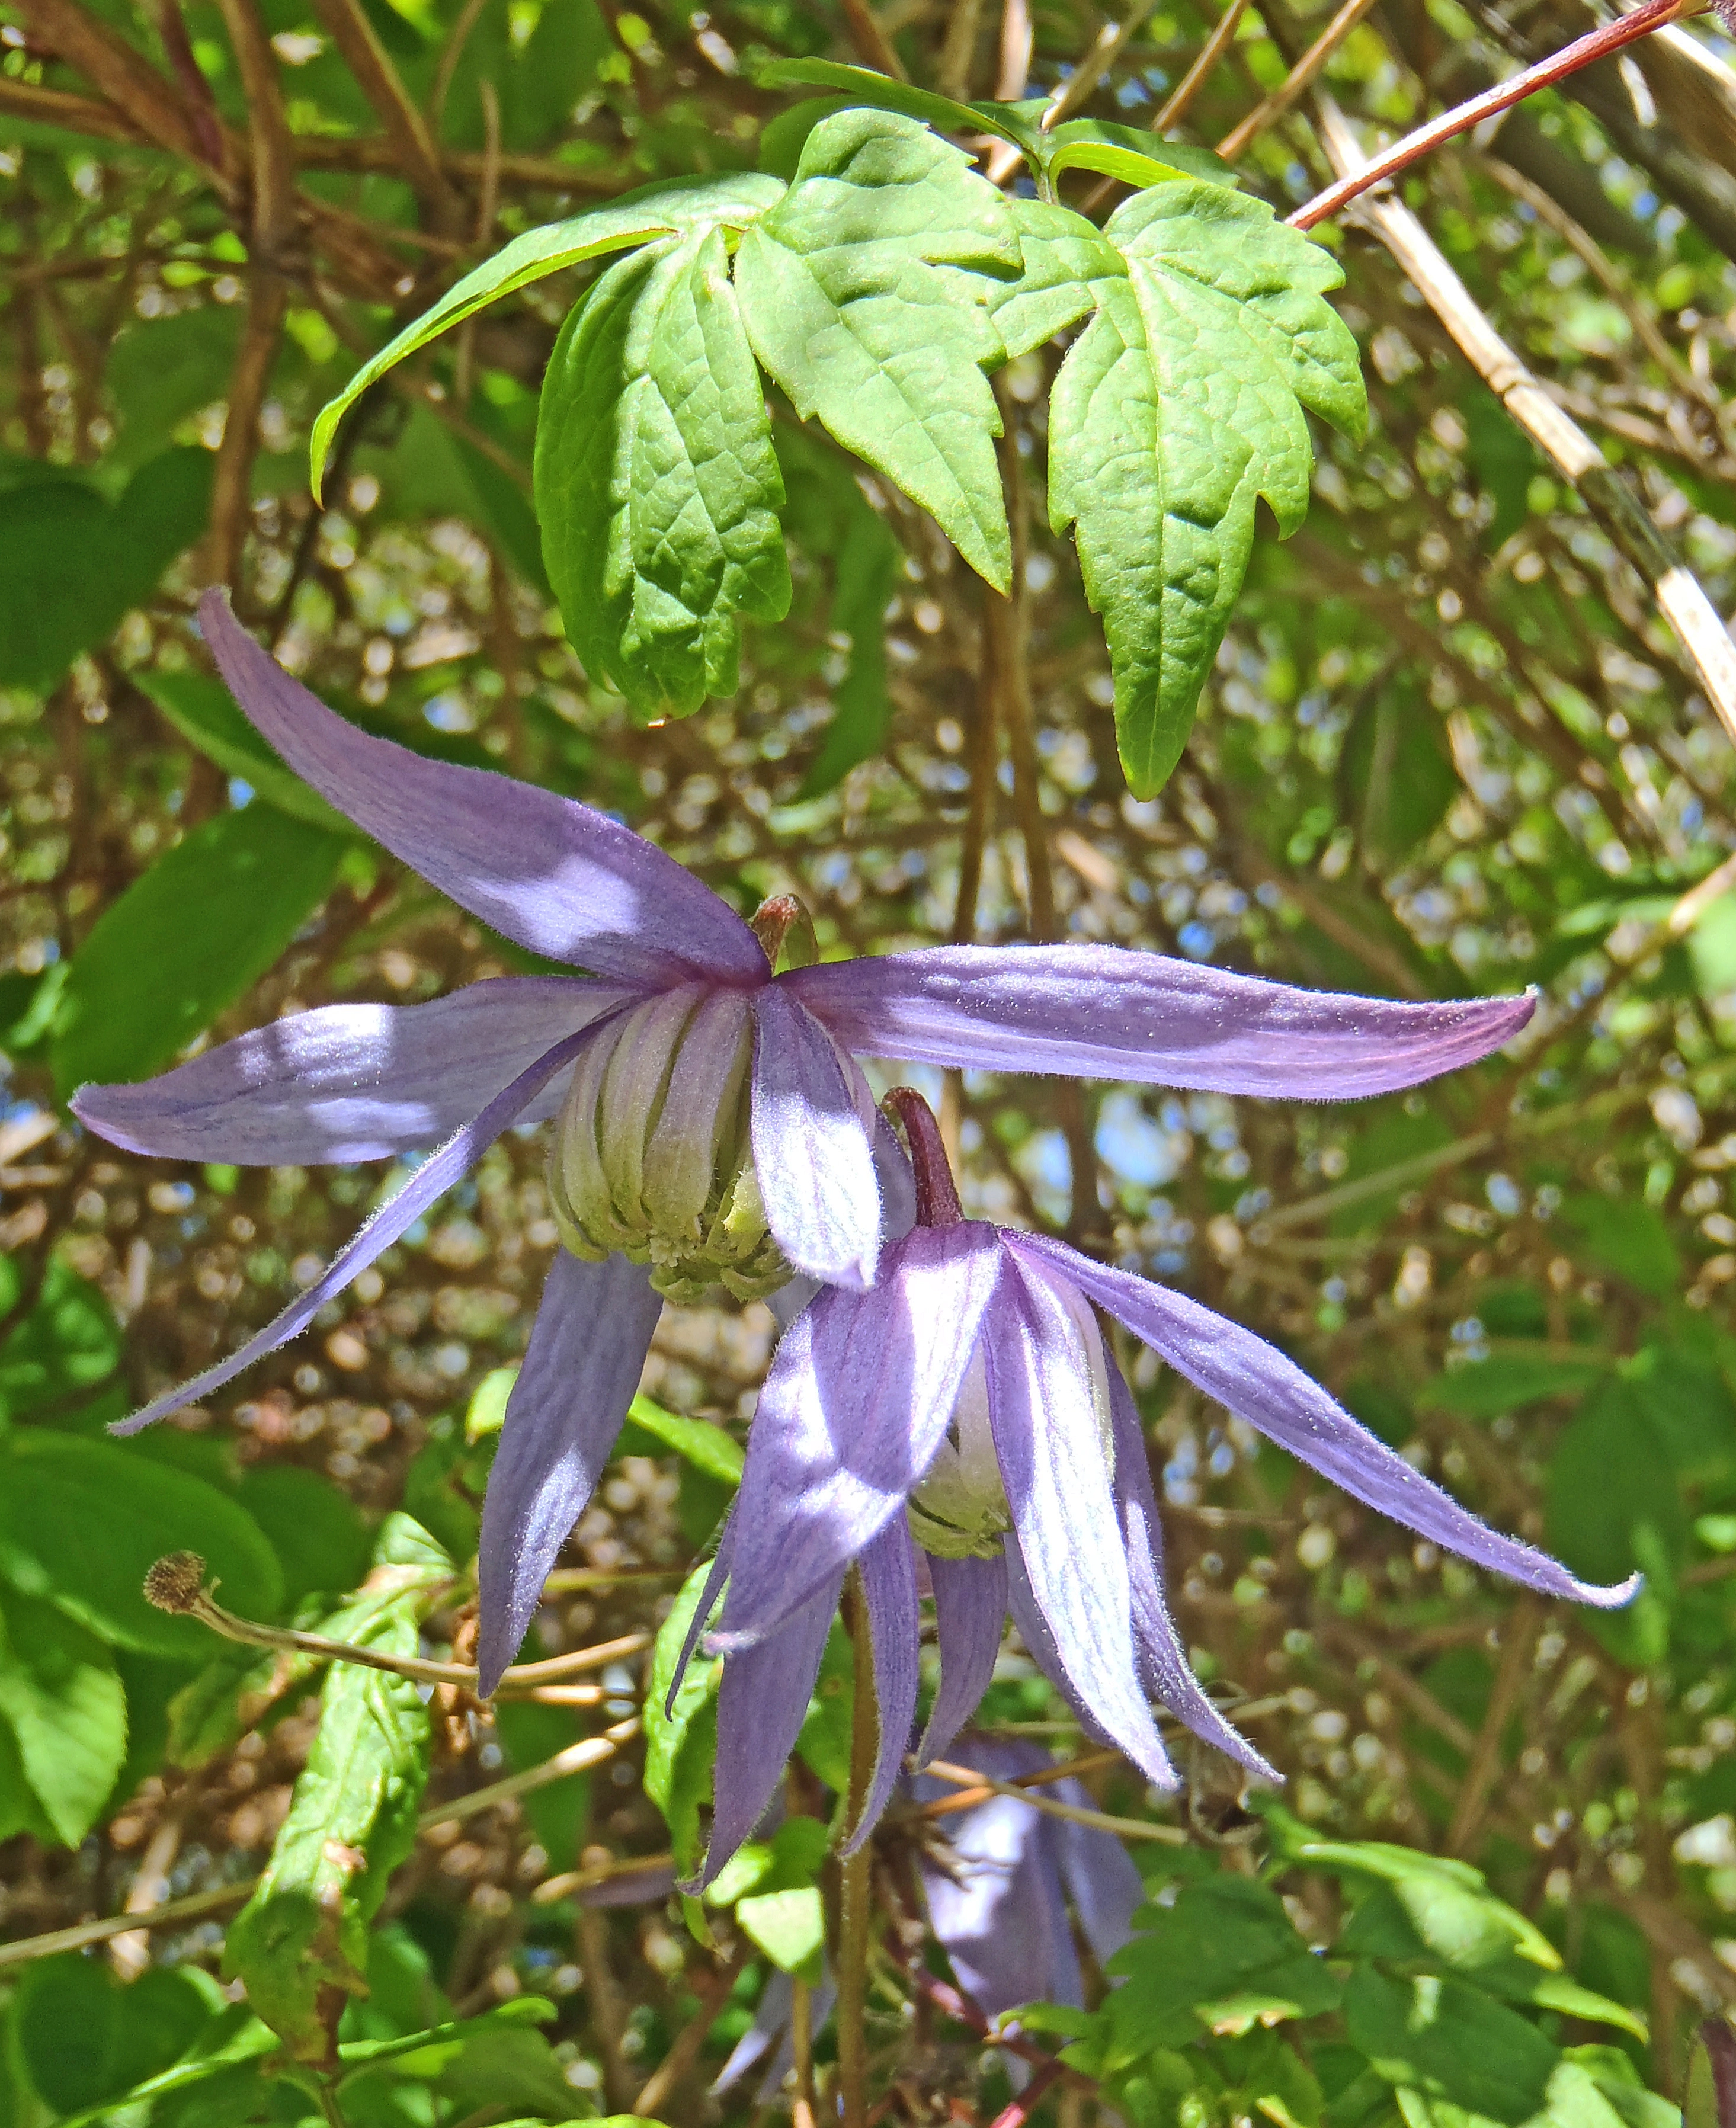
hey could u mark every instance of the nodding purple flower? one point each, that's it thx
(969, 1402)
(1000, 1876)
(713, 1123)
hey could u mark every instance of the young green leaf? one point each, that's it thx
(864, 86)
(63, 1700)
(637, 217)
(846, 310)
(1180, 405)
(656, 482)
(679, 1743)
(1450, 2041)
(1136, 157)
(204, 712)
(189, 938)
(300, 1943)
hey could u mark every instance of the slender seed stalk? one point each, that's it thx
(858, 1891)
(802, 2041)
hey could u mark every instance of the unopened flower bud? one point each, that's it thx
(652, 1154)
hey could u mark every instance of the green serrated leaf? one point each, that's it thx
(846, 310)
(81, 1522)
(62, 1699)
(300, 1943)
(1065, 257)
(204, 712)
(189, 938)
(1180, 405)
(880, 90)
(1452, 2042)
(656, 482)
(706, 1446)
(635, 218)
(679, 1744)
(1135, 157)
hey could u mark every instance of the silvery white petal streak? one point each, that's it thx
(1049, 1438)
(1258, 1383)
(970, 1616)
(429, 1183)
(888, 1575)
(556, 877)
(855, 1403)
(1033, 1628)
(1164, 1661)
(350, 1081)
(761, 1703)
(1108, 1012)
(813, 1145)
(586, 1352)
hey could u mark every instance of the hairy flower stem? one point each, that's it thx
(856, 1905)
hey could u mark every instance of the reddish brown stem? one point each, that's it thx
(937, 1199)
(1599, 43)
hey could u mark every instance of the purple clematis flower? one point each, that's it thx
(714, 1125)
(998, 1880)
(999, 1884)
(968, 1401)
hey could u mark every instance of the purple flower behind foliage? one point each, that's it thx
(998, 1876)
(969, 1403)
(1002, 1875)
(713, 1125)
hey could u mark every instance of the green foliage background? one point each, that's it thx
(1448, 747)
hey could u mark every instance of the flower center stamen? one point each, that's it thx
(653, 1155)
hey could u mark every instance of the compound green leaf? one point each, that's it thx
(656, 482)
(82, 1522)
(187, 939)
(300, 1943)
(635, 218)
(1065, 259)
(1181, 405)
(64, 1703)
(846, 310)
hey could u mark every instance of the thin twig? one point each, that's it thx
(954, 75)
(368, 59)
(174, 1584)
(1518, 1638)
(873, 44)
(856, 1904)
(1112, 40)
(577, 1759)
(1125, 1828)
(457, 38)
(608, 2005)
(1239, 137)
(1181, 96)
(713, 1999)
(1598, 44)
(1680, 598)
(1046, 1776)
(570, 1881)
